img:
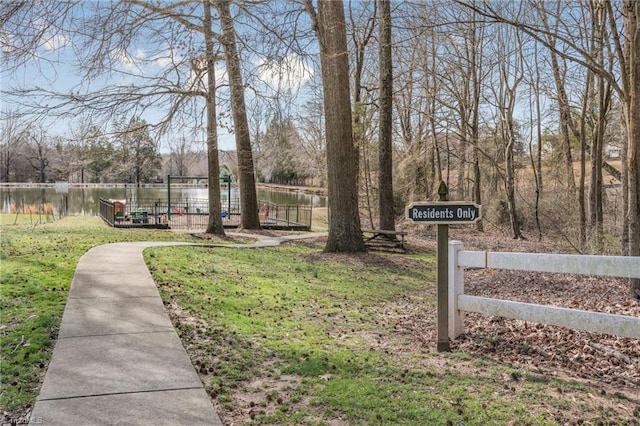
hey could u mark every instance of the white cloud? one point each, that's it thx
(140, 55)
(130, 63)
(51, 40)
(122, 57)
(290, 73)
(55, 42)
(167, 56)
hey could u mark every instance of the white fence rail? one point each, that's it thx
(610, 266)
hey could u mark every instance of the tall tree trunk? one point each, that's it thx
(632, 28)
(214, 225)
(596, 189)
(246, 176)
(565, 118)
(624, 180)
(476, 69)
(511, 74)
(583, 160)
(367, 181)
(461, 150)
(536, 162)
(386, 211)
(603, 90)
(562, 100)
(509, 183)
(433, 74)
(344, 218)
(359, 112)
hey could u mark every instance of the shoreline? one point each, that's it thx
(312, 190)
(270, 186)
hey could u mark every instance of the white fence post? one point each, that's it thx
(456, 287)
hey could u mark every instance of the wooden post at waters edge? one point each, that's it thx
(443, 278)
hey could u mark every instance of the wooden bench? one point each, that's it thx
(385, 237)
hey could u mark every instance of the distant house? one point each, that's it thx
(612, 152)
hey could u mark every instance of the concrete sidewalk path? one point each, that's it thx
(118, 359)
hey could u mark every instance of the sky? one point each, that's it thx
(54, 68)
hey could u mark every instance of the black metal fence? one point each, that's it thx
(284, 216)
(193, 213)
(107, 211)
(118, 213)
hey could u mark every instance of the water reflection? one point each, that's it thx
(84, 201)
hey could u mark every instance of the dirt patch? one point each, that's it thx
(264, 395)
(366, 259)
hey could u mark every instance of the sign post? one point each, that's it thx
(63, 188)
(443, 213)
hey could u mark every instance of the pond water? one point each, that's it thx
(85, 201)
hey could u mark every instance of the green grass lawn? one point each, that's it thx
(38, 256)
(289, 336)
(285, 335)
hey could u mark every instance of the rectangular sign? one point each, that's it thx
(62, 187)
(444, 212)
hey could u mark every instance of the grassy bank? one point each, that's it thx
(287, 335)
(290, 336)
(38, 256)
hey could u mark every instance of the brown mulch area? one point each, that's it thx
(612, 363)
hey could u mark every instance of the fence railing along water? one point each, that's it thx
(107, 212)
(286, 216)
(193, 213)
(609, 266)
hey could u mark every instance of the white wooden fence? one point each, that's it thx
(610, 266)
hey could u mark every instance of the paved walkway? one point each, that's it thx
(118, 359)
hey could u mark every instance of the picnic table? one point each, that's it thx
(140, 216)
(384, 236)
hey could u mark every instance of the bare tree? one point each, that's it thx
(179, 156)
(312, 138)
(248, 195)
(214, 225)
(344, 219)
(37, 153)
(386, 209)
(510, 72)
(465, 85)
(600, 110)
(632, 106)
(536, 130)
(416, 100)
(623, 79)
(13, 136)
(362, 21)
(562, 99)
(476, 65)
